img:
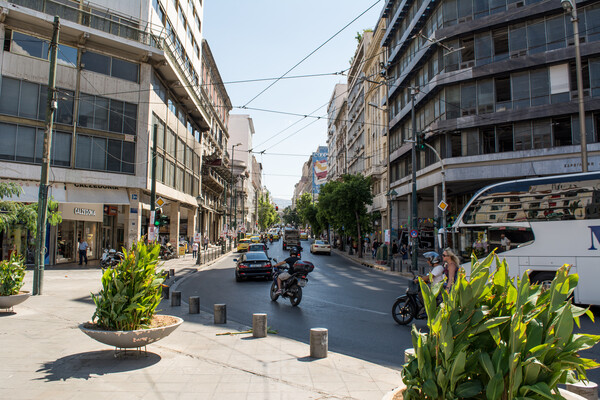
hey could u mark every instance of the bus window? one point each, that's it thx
(481, 240)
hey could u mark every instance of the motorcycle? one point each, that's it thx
(166, 251)
(291, 288)
(407, 307)
(110, 258)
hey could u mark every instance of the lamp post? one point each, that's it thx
(443, 246)
(415, 212)
(570, 7)
(231, 208)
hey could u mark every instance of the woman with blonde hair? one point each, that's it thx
(451, 265)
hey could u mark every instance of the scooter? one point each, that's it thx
(166, 251)
(408, 306)
(291, 288)
(110, 258)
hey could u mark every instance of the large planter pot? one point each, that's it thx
(7, 302)
(396, 394)
(132, 339)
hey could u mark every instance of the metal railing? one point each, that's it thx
(94, 17)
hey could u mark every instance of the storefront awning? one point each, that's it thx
(31, 191)
(80, 193)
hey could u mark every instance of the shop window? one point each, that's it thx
(561, 129)
(503, 93)
(555, 30)
(505, 138)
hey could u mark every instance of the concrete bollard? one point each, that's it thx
(165, 292)
(318, 342)
(259, 325)
(172, 272)
(194, 305)
(220, 313)
(175, 299)
(409, 354)
(587, 390)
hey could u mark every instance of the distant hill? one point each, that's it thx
(282, 203)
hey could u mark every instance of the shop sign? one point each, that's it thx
(111, 210)
(133, 210)
(81, 211)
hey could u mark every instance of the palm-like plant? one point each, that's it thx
(12, 272)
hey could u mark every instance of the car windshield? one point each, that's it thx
(321, 242)
(256, 256)
(244, 241)
(257, 247)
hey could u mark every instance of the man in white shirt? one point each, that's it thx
(82, 247)
(504, 242)
(434, 260)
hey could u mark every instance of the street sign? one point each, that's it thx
(198, 238)
(414, 233)
(443, 205)
(160, 202)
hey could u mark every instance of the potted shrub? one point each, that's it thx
(497, 338)
(12, 272)
(125, 315)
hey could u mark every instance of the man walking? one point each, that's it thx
(82, 247)
(205, 244)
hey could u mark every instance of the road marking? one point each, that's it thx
(354, 308)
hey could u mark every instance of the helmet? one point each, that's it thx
(294, 251)
(433, 257)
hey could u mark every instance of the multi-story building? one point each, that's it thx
(257, 190)
(125, 69)
(355, 138)
(495, 93)
(336, 131)
(241, 131)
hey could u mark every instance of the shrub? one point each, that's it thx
(12, 272)
(131, 291)
(495, 338)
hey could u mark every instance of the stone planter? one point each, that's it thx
(8, 302)
(131, 339)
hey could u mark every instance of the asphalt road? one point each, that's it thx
(353, 302)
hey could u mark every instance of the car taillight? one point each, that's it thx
(303, 276)
(329, 247)
(243, 266)
(268, 265)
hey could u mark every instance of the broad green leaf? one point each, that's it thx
(495, 387)
(469, 389)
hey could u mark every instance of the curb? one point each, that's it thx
(373, 266)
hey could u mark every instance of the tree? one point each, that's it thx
(308, 212)
(267, 215)
(344, 205)
(15, 213)
(290, 216)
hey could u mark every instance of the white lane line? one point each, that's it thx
(354, 308)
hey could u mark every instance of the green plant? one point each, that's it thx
(495, 338)
(12, 272)
(131, 290)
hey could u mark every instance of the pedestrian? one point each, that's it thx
(504, 242)
(404, 253)
(195, 249)
(205, 244)
(82, 247)
(394, 248)
(375, 247)
(451, 263)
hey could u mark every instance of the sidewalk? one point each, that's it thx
(396, 268)
(45, 356)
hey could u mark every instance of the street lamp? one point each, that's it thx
(415, 212)
(570, 7)
(199, 200)
(231, 209)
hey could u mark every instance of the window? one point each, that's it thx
(561, 129)
(453, 102)
(451, 57)
(542, 134)
(540, 87)
(520, 87)
(107, 114)
(9, 92)
(160, 133)
(125, 70)
(505, 138)
(536, 37)
(95, 62)
(160, 162)
(585, 77)
(465, 10)
(468, 96)
(485, 96)
(468, 52)
(594, 66)
(481, 8)
(450, 13)
(113, 155)
(500, 39)
(592, 16)
(555, 30)
(25, 144)
(110, 66)
(503, 93)
(523, 136)
(488, 140)
(517, 39)
(456, 144)
(483, 48)
(98, 153)
(472, 137)
(559, 83)
(29, 45)
(101, 108)
(170, 143)
(8, 136)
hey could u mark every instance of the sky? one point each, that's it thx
(263, 39)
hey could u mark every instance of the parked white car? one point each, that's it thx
(320, 246)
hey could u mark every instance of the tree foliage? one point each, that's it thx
(267, 216)
(344, 205)
(15, 213)
(308, 212)
(290, 216)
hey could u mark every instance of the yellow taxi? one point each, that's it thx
(243, 245)
(255, 239)
(303, 235)
(275, 235)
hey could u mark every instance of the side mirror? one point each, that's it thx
(274, 260)
(235, 260)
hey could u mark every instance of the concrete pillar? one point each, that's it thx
(132, 218)
(192, 216)
(587, 390)
(319, 342)
(165, 292)
(259, 325)
(174, 215)
(194, 305)
(220, 311)
(175, 299)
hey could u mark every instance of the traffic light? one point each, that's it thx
(160, 219)
(276, 208)
(421, 141)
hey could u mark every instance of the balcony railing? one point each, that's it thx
(94, 17)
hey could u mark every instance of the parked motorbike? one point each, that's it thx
(407, 307)
(166, 251)
(291, 288)
(110, 258)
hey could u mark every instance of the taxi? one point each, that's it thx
(303, 235)
(275, 235)
(255, 239)
(243, 245)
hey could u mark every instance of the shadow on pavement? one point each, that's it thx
(104, 362)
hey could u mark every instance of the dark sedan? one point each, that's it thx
(253, 264)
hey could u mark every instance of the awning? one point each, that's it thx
(81, 193)
(31, 191)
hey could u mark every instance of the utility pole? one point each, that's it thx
(153, 182)
(51, 106)
(415, 213)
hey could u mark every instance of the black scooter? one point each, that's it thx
(409, 306)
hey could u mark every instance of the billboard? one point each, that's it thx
(319, 169)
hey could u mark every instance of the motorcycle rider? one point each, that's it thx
(290, 261)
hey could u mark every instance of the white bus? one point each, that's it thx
(546, 222)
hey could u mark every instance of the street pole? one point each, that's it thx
(443, 193)
(415, 214)
(583, 138)
(51, 105)
(153, 182)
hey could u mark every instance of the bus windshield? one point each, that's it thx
(482, 240)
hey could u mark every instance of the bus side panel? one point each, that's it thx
(586, 291)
